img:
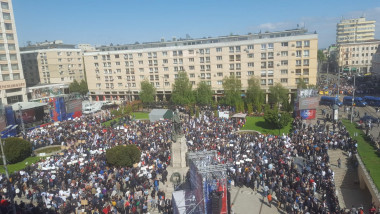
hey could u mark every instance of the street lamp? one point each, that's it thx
(279, 126)
(163, 85)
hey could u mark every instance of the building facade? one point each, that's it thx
(279, 57)
(355, 30)
(12, 83)
(376, 62)
(46, 66)
(357, 57)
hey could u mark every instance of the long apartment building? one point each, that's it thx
(12, 83)
(355, 30)
(357, 57)
(278, 57)
(57, 65)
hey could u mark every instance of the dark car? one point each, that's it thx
(368, 118)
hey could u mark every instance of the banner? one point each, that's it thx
(308, 114)
(308, 103)
(305, 93)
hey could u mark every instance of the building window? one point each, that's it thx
(250, 64)
(218, 49)
(263, 73)
(250, 73)
(218, 58)
(250, 55)
(192, 75)
(7, 16)
(191, 59)
(263, 64)
(299, 44)
(306, 62)
(298, 62)
(270, 55)
(270, 73)
(263, 82)
(8, 26)
(284, 62)
(232, 58)
(284, 44)
(298, 53)
(238, 66)
(298, 71)
(263, 46)
(250, 47)
(219, 74)
(4, 5)
(270, 46)
(270, 81)
(306, 80)
(231, 49)
(306, 43)
(220, 82)
(284, 80)
(219, 66)
(263, 56)
(306, 71)
(306, 53)
(284, 71)
(10, 36)
(232, 66)
(237, 48)
(191, 67)
(284, 53)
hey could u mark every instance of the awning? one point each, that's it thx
(346, 69)
(353, 69)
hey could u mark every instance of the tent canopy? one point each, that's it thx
(160, 114)
(239, 115)
(27, 105)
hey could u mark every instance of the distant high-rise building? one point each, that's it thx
(355, 30)
(12, 82)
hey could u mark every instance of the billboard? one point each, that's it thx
(73, 108)
(308, 114)
(308, 103)
(305, 93)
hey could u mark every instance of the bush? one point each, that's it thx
(122, 156)
(16, 150)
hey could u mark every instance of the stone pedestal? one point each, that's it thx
(179, 150)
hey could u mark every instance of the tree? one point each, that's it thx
(278, 94)
(83, 88)
(321, 59)
(232, 90)
(276, 119)
(255, 95)
(301, 84)
(123, 156)
(182, 90)
(203, 94)
(74, 86)
(147, 92)
(16, 150)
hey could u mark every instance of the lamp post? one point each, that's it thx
(279, 126)
(353, 102)
(163, 85)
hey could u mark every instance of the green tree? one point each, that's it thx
(182, 90)
(123, 156)
(74, 86)
(203, 94)
(278, 94)
(232, 90)
(147, 92)
(255, 94)
(276, 119)
(321, 57)
(301, 84)
(83, 88)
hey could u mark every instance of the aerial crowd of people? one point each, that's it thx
(293, 171)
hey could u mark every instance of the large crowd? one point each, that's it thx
(293, 168)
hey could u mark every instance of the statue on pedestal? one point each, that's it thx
(177, 127)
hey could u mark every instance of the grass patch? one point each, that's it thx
(48, 150)
(366, 152)
(138, 116)
(258, 124)
(20, 165)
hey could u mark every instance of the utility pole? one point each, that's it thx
(353, 98)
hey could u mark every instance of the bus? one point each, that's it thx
(372, 101)
(358, 101)
(329, 101)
